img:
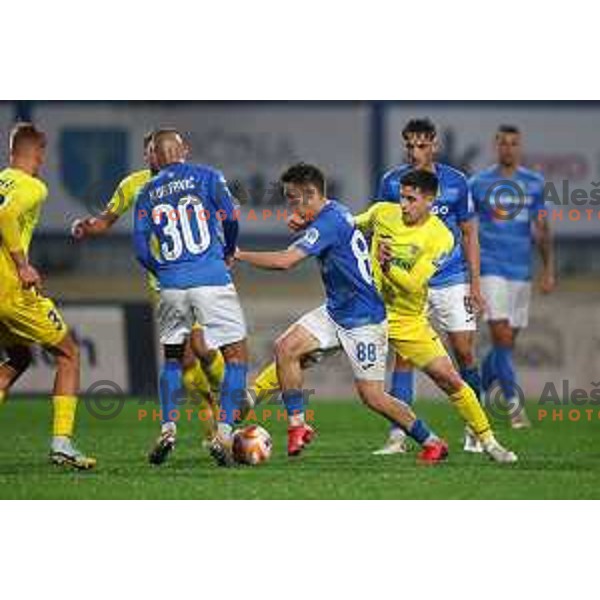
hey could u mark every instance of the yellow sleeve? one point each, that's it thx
(417, 278)
(123, 197)
(424, 268)
(364, 221)
(12, 206)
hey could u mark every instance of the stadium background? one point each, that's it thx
(92, 145)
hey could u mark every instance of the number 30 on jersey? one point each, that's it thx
(177, 233)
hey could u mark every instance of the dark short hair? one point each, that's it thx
(508, 129)
(148, 137)
(302, 173)
(23, 134)
(419, 126)
(426, 181)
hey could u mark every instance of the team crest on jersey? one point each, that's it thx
(2, 199)
(311, 237)
(405, 256)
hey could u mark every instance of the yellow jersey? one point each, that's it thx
(21, 199)
(123, 199)
(124, 196)
(417, 251)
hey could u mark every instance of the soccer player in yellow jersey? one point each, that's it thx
(26, 316)
(203, 369)
(408, 245)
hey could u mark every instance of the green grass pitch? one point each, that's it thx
(557, 460)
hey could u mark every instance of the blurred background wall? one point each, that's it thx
(92, 145)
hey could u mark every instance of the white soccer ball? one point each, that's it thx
(252, 445)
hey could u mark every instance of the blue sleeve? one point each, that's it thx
(464, 202)
(389, 188)
(224, 201)
(317, 238)
(474, 193)
(142, 232)
(538, 198)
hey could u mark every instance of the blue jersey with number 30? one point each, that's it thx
(343, 255)
(178, 232)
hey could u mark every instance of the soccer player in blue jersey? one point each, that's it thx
(455, 295)
(352, 318)
(185, 233)
(508, 199)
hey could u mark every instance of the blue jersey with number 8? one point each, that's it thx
(343, 255)
(179, 219)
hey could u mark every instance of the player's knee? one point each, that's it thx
(67, 353)
(465, 357)
(235, 353)
(286, 348)
(174, 351)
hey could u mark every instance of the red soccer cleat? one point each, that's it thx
(433, 453)
(298, 437)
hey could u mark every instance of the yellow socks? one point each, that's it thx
(470, 410)
(196, 383)
(265, 382)
(215, 371)
(64, 415)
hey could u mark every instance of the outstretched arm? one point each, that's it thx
(279, 261)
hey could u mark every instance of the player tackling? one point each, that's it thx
(454, 290)
(352, 318)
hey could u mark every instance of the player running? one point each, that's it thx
(26, 316)
(353, 317)
(509, 199)
(202, 368)
(454, 292)
(181, 217)
(409, 246)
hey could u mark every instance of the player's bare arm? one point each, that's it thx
(277, 261)
(543, 239)
(10, 235)
(93, 226)
(470, 245)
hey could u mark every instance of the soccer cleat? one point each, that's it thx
(220, 449)
(472, 443)
(298, 438)
(396, 444)
(164, 445)
(520, 420)
(499, 453)
(433, 452)
(64, 454)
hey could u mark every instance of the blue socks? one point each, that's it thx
(233, 390)
(294, 403)
(169, 387)
(488, 370)
(505, 371)
(420, 432)
(470, 376)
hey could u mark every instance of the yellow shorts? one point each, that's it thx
(414, 339)
(27, 317)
